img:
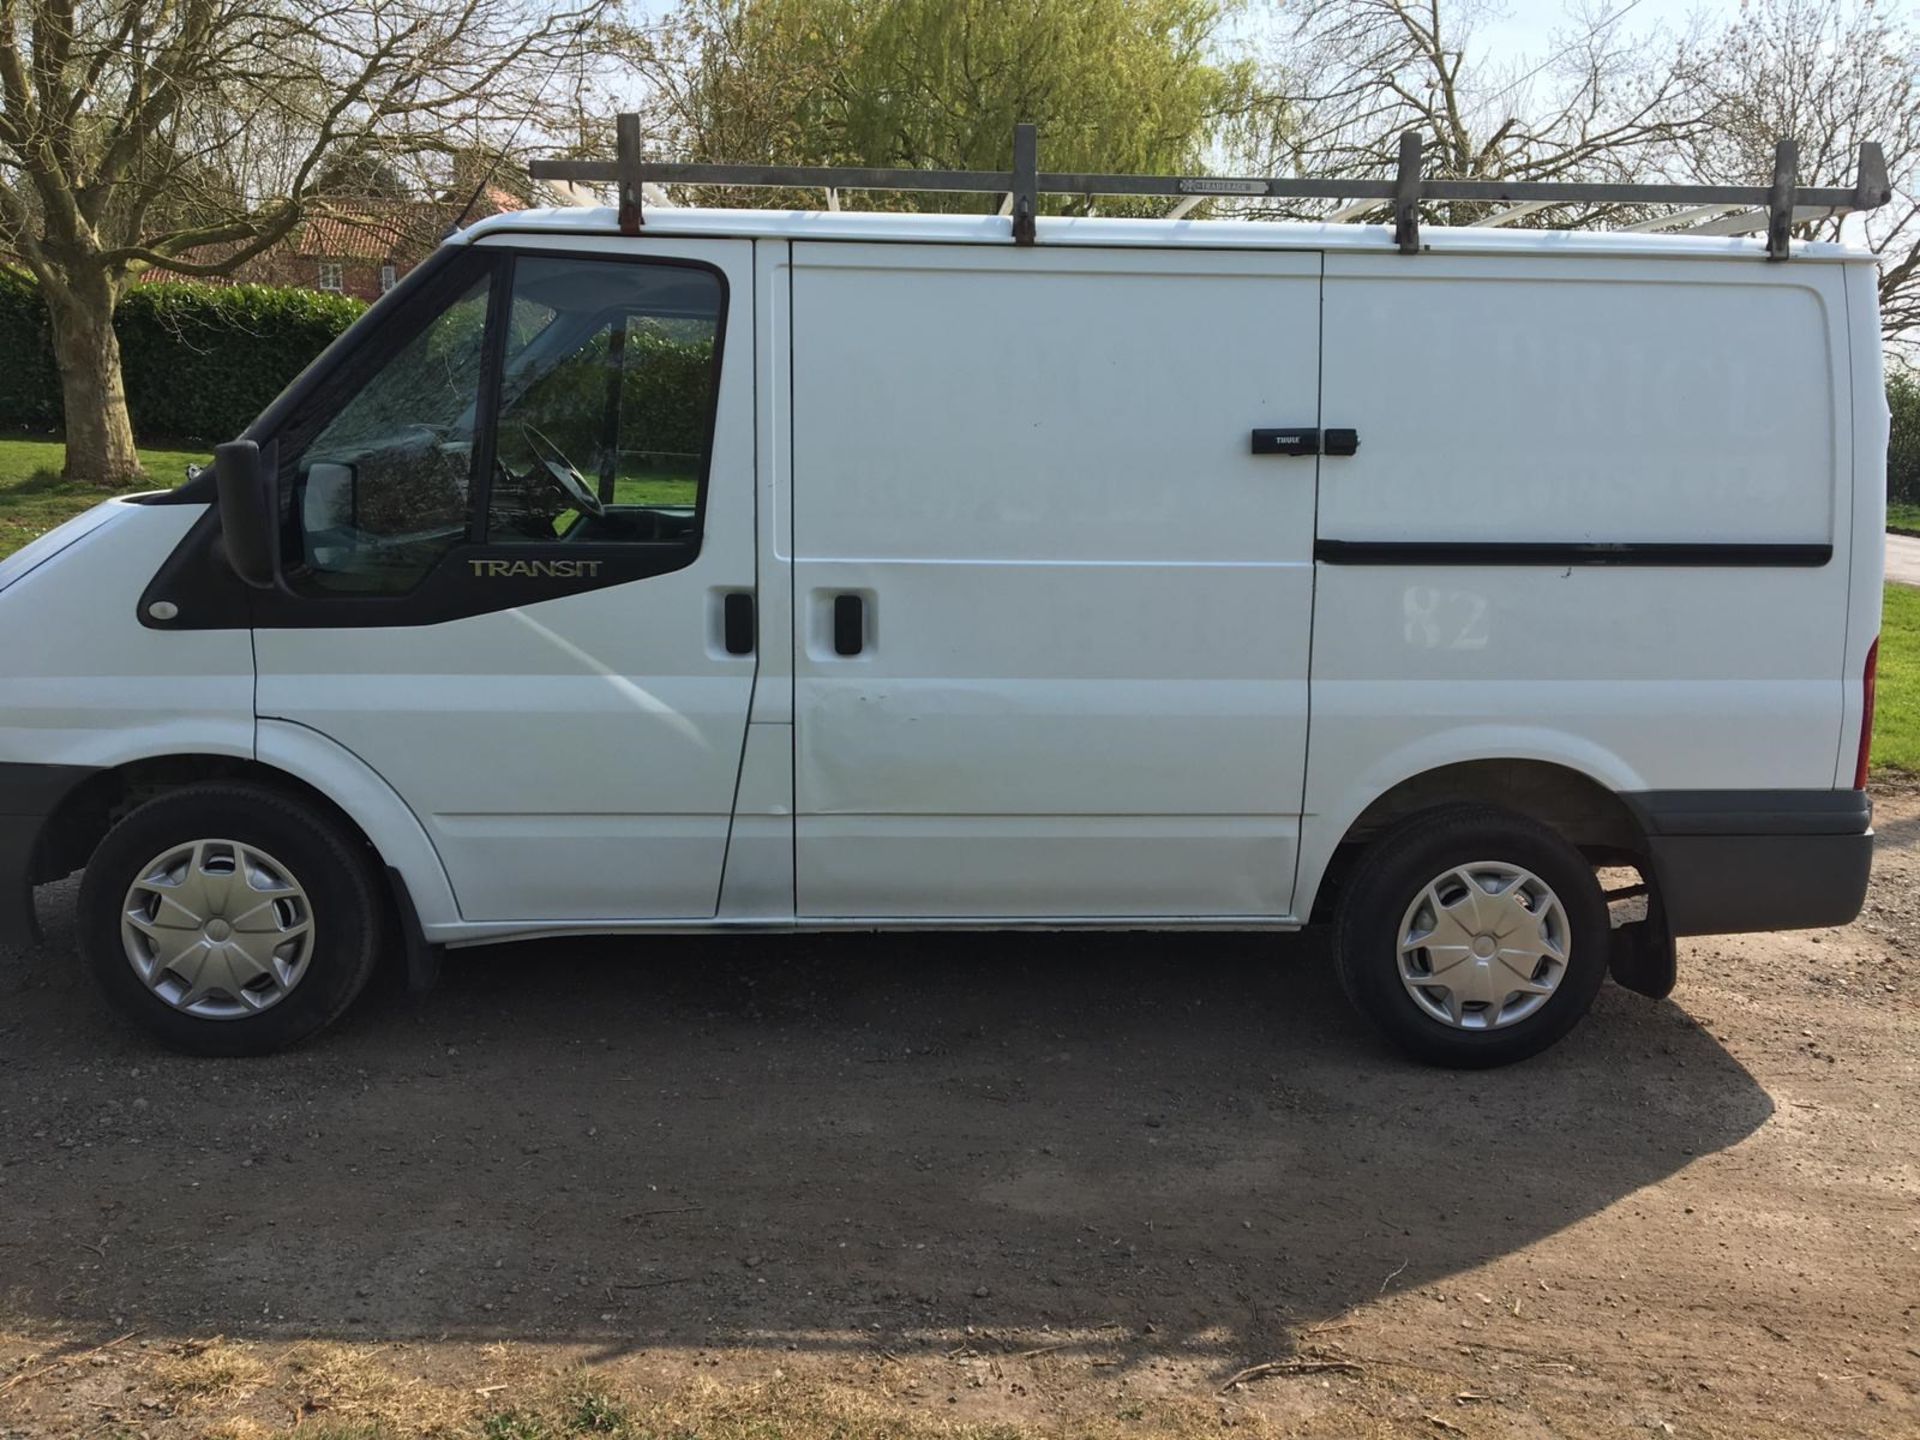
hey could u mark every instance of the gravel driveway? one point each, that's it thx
(1133, 1164)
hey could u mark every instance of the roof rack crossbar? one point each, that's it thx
(1782, 203)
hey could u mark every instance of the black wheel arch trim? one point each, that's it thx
(29, 795)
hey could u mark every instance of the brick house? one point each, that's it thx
(359, 248)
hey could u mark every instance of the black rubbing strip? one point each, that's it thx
(1526, 552)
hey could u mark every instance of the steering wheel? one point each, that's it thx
(570, 480)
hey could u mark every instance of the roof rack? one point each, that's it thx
(1708, 209)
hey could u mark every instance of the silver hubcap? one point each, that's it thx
(217, 929)
(1484, 945)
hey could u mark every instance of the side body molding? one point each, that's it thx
(375, 807)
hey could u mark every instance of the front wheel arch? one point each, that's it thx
(75, 828)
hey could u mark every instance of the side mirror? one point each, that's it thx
(246, 520)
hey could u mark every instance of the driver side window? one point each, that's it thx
(606, 402)
(381, 489)
(577, 408)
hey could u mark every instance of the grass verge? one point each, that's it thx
(1896, 725)
(1903, 518)
(34, 499)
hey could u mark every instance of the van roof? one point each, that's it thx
(1147, 234)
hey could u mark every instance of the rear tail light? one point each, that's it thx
(1866, 714)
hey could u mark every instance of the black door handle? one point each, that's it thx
(1305, 440)
(736, 623)
(849, 624)
(1286, 442)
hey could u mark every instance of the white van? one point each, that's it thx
(799, 572)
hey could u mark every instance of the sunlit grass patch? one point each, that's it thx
(34, 499)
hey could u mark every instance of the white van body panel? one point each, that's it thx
(590, 225)
(1864, 525)
(86, 684)
(1719, 401)
(1412, 668)
(44, 547)
(1083, 685)
(1536, 398)
(773, 482)
(393, 830)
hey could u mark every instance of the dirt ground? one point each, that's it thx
(938, 1184)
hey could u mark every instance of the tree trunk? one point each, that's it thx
(99, 430)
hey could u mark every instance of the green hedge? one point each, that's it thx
(200, 360)
(1903, 444)
(29, 383)
(666, 390)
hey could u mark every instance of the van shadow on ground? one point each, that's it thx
(818, 1142)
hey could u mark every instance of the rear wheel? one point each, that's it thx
(1472, 936)
(229, 919)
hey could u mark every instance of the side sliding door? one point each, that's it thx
(1051, 610)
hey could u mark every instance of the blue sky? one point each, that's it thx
(1530, 25)
(1514, 29)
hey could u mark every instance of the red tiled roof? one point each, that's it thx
(370, 234)
(381, 230)
(495, 201)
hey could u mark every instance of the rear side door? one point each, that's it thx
(518, 526)
(1593, 522)
(1052, 612)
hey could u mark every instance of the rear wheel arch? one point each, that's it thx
(1588, 814)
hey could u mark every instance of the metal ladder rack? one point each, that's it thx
(1707, 209)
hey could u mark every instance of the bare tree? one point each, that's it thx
(1614, 101)
(1828, 74)
(1602, 105)
(195, 134)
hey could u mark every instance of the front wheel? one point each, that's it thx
(1473, 937)
(229, 919)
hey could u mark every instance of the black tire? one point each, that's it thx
(332, 867)
(1390, 877)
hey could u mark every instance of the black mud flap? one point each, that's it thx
(1644, 958)
(423, 959)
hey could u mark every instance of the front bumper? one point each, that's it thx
(1728, 861)
(28, 795)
